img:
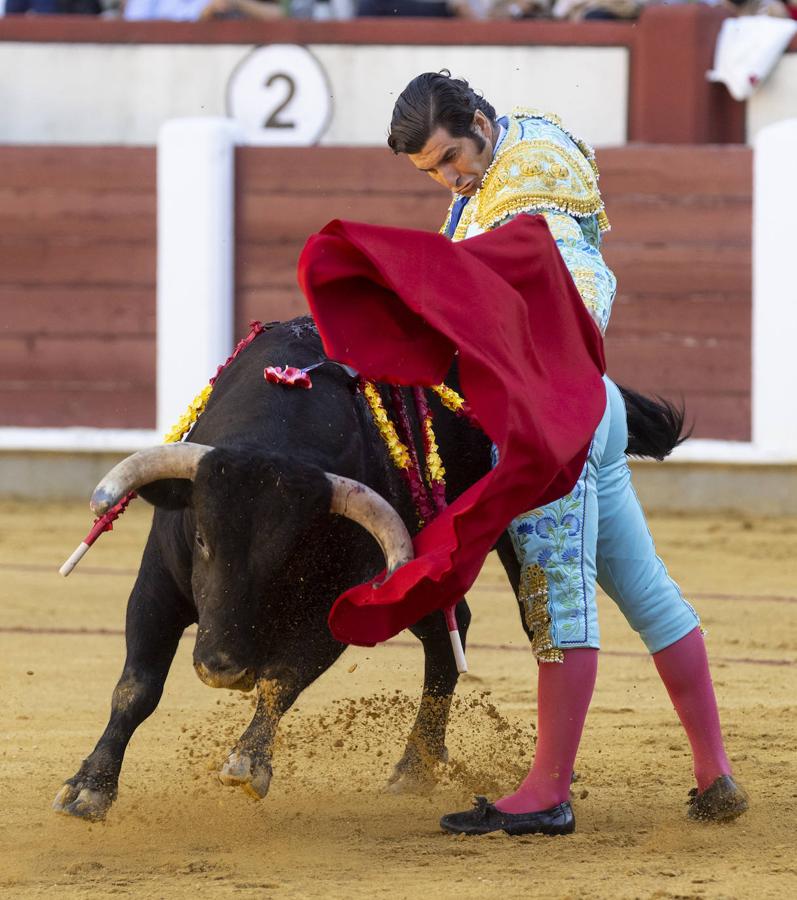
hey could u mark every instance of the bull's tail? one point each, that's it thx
(655, 426)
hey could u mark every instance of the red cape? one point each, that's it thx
(396, 304)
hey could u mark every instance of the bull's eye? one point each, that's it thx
(200, 542)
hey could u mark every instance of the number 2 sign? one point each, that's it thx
(281, 95)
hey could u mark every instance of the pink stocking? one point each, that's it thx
(683, 667)
(563, 695)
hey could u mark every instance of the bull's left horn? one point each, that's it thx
(359, 503)
(153, 464)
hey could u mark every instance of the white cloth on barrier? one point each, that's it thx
(748, 49)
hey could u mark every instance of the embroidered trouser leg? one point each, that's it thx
(596, 532)
(628, 568)
(556, 547)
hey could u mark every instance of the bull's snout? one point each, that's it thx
(221, 672)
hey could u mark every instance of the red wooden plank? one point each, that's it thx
(678, 268)
(85, 311)
(677, 362)
(725, 171)
(93, 169)
(111, 405)
(77, 359)
(76, 262)
(670, 219)
(39, 212)
(271, 266)
(267, 305)
(294, 217)
(327, 170)
(74, 29)
(705, 316)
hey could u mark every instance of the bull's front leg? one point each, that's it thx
(250, 763)
(155, 622)
(426, 744)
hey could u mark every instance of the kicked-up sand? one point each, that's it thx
(327, 827)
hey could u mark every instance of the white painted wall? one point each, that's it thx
(586, 86)
(107, 94)
(775, 100)
(122, 94)
(774, 290)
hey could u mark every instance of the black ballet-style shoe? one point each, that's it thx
(722, 801)
(485, 817)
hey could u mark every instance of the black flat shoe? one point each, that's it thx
(484, 818)
(722, 801)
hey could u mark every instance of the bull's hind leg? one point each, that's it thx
(249, 764)
(155, 622)
(509, 560)
(426, 744)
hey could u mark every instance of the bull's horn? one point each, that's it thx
(364, 506)
(168, 461)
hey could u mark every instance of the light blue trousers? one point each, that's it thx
(598, 532)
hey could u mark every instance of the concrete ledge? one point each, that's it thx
(54, 475)
(755, 488)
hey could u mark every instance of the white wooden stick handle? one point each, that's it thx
(74, 559)
(459, 651)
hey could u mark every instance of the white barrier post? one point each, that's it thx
(196, 254)
(775, 291)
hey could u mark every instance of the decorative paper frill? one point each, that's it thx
(290, 376)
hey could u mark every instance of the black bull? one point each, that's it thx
(249, 550)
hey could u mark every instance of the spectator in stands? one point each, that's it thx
(777, 8)
(575, 10)
(242, 9)
(194, 10)
(53, 7)
(464, 9)
(409, 8)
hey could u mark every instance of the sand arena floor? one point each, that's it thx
(327, 829)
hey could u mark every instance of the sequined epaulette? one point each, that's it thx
(533, 172)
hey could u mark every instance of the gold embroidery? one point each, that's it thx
(533, 596)
(537, 174)
(585, 282)
(563, 228)
(533, 174)
(520, 112)
(529, 112)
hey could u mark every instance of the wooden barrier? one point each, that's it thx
(77, 286)
(77, 268)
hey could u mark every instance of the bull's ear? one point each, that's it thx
(168, 493)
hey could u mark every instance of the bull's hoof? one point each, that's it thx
(417, 784)
(254, 777)
(415, 774)
(82, 803)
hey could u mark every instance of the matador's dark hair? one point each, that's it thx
(431, 101)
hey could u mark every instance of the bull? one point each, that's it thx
(278, 502)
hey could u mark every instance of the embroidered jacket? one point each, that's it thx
(540, 168)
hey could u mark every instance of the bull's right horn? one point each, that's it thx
(359, 503)
(168, 461)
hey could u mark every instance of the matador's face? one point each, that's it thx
(457, 162)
